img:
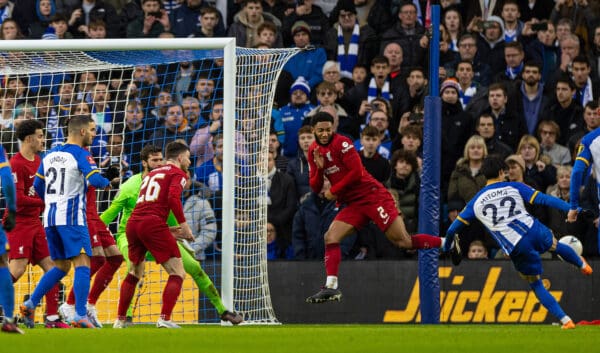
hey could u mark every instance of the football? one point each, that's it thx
(573, 242)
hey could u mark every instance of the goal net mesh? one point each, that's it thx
(155, 97)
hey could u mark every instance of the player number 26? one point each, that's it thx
(152, 188)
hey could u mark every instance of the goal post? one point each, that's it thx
(246, 89)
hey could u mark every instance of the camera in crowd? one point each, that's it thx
(415, 118)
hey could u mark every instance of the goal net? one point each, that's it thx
(142, 92)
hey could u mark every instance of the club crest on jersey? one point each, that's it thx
(346, 146)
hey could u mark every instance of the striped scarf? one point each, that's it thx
(348, 60)
(513, 72)
(385, 90)
(466, 96)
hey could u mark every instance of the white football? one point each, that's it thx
(572, 242)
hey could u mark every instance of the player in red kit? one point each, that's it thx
(147, 230)
(28, 239)
(333, 156)
(105, 261)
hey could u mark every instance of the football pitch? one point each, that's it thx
(309, 339)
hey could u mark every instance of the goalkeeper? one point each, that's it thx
(151, 157)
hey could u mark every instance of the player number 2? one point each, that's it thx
(152, 188)
(52, 175)
(382, 212)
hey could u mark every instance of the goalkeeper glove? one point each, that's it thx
(9, 222)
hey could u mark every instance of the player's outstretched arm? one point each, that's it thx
(577, 173)
(8, 186)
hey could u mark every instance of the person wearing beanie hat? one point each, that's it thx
(50, 33)
(450, 83)
(307, 63)
(347, 42)
(293, 115)
(300, 26)
(515, 160)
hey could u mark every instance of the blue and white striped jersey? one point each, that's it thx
(588, 154)
(64, 171)
(500, 207)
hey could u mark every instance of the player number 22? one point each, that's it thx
(511, 209)
(152, 188)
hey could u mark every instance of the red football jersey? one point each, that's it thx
(343, 168)
(29, 204)
(91, 211)
(160, 193)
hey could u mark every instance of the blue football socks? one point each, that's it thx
(81, 288)
(7, 293)
(547, 300)
(48, 280)
(569, 255)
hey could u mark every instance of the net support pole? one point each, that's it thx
(429, 198)
(229, 77)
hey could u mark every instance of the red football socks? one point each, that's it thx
(104, 276)
(52, 301)
(333, 257)
(170, 295)
(126, 295)
(425, 241)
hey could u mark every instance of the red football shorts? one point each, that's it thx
(99, 234)
(153, 236)
(377, 206)
(28, 240)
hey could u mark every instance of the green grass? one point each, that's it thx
(310, 338)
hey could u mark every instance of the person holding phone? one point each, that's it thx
(154, 22)
(94, 10)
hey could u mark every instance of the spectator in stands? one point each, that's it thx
(216, 117)
(246, 22)
(273, 251)
(308, 63)
(564, 110)
(6, 10)
(10, 30)
(332, 73)
(530, 94)
(210, 173)
(281, 161)
(411, 138)
(172, 128)
(326, 95)
(200, 215)
(577, 11)
(537, 167)
(467, 87)
(586, 88)
(484, 125)
(491, 44)
(93, 10)
(200, 146)
(513, 59)
(538, 9)
(370, 141)
(407, 31)
(570, 48)
(58, 23)
(313, 17)
(591, 120)
(456, 129)
(452, 19)
(548, 131)
(293, 115)
(556, 217)
(44, 10)
(154, 21)
(510, 17)
(543, 50)
(393, 52)
(311, 221)
(205, 91)
(476, 12)
(360, 43)
(359, 74)
(96, 30)
(281, 202)
(467, 51)
(466, 180)
(114, 163)
(297, 167)
(404, 184)
(209, 20)
(510, 125)
(136, 132)
(477, 250)
(379, 119)
(184, 19)
(8, 103)
(269, 35)
(594, 53)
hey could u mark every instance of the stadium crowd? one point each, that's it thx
(519, 79)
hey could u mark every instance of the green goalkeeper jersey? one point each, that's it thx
(125, 202)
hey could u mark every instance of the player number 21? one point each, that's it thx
(152, 188)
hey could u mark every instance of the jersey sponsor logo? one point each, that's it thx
(346, 147)
(489, 304)
(32, 176)
(332, 169)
